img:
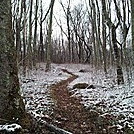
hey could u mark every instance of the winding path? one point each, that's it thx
(69, 113)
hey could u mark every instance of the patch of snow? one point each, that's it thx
(119, 127)
(35, 88)
(107, 96)
(10, 128)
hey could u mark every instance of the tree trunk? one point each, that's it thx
(30, 36)
(120, 78)
(35, 35)
(11, 104)
(104, 38)
(48, 62)
(18, 40)
(132, 19)
(41, 50)
(68, 30)
(93, 22)
(24, 39)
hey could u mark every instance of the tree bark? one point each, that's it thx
(104, 38)
(132, 21)
(41, 35)
(24, 38)
(30, 36)
(48, 62)
(35, 35)
(11, 104)
(113, 27)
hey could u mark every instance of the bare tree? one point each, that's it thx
(67, 14)
(24, 37)
(35, 34)
(113, 27)
(30, 36)
(132, 21)
(41, 47)
(48, 61)
(104, 37)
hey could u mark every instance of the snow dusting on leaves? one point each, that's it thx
(102, 93)
(10, 128)
(107, 96)
(35, 88)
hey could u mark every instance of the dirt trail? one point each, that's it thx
(69, 113)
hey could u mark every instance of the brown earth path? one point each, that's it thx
(69, 113)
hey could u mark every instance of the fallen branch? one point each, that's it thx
(56, 129)
(53, 128)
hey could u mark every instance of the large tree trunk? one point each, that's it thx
(11, 104)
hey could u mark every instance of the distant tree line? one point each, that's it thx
(97, 33)
(93, 35)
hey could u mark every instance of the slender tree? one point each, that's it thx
(132, 21)
(35, 35)
(24, 37)
(48, 60)
(113, 27)
(67, 14)
(41, 34)
(30, 36)
(104, 37)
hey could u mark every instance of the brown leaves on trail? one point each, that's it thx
(69, 113)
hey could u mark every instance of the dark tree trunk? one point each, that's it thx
(11, 104)
(104, 39)
(120, 79)
(113, 27)
(30, 36)
(24, 39)
(18, 41)
(68, 30)
(41, 36)
(48, 57)
(35, 35)
(132, 21)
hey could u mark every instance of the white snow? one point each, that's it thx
(10, 128)
(107, 96)
(35, 88)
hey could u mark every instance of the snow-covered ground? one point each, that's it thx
(35, 88)
(107, 96)
(9, 128)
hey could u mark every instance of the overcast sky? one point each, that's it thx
(59, 14)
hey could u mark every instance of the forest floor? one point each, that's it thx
(70, 114)
(104, 108)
